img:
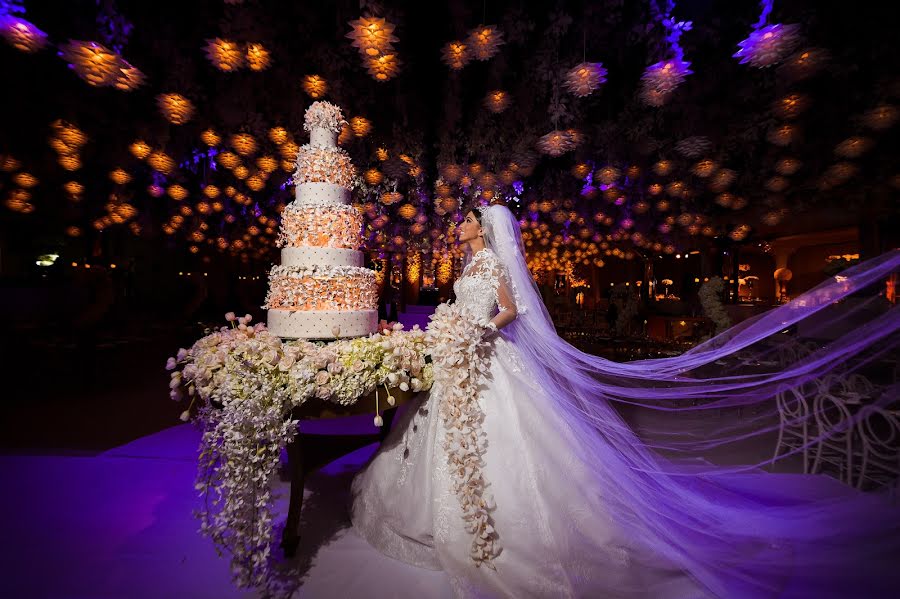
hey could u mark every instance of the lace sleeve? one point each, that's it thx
(489, 267)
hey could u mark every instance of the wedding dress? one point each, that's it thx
(581, 511)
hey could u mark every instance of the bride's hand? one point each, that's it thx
(489, 332)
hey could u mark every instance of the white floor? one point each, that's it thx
(119, 525)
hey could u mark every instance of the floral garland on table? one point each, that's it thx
(459, 366)
(243, 383)
(710, 295)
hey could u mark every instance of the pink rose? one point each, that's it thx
(322, 377)
(230, 317)
(323, 392)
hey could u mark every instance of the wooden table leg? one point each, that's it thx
(388, 417)
(290, 537)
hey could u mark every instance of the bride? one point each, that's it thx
(518, 477)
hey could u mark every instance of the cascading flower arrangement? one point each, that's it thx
(460, 363)
(660, 79)
(243, 383)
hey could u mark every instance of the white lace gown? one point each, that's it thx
(556, 538)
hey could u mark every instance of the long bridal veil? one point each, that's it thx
(674, 443)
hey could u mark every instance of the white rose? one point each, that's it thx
(322, 377)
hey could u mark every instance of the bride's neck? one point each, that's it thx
(476, 245)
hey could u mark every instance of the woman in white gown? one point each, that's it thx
(578, 506)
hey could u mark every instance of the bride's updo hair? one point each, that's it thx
(477, 210)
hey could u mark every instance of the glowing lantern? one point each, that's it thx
(278, 135)
(585, 78)
(243, 143)
(228, 159)
(485, 41)
(455, 55)
(258, 58)
(361, 126)
(177, 192)
(267, 164)
(177, 109)
(497, 101)
(160, 161)
(140, 149)
(373, 176)
(210, 138)
(21, 34)
(120, 176)
(225, 55)
(93, 62)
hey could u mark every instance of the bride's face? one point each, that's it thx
(469, 229)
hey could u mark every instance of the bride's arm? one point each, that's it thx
(506, 305)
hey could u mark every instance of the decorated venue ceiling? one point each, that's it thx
(613, 128)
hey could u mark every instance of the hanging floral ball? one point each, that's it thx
(93, 62)
(267, 164)
(585, 78)
(497, 101)
(485, 41)
(228, 159)
(456, 55)
(278, 135)
(704, 168)
(408, 211)
(258, 58)
(210, 138)
(556, 143)
(119, 176)
(660, 80)
(787, 166)
(791, 106)
(177, 109)
(21, 34)
(693, 147)
(853, 147)
(225, 55)
(243, 143)
(361, 126)
(768, 45)
(881, 117)
(177, 192)
(663, 167)
(805, 63)
(315, 86)
(161, 162)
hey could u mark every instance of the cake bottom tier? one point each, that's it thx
(321, 324)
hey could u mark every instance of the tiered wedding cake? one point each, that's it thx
(321, 290)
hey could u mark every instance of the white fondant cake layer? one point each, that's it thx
(321, 193)
(299, 324)
(307, 257)
(323, 138)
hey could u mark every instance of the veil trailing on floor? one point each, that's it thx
(674, 442)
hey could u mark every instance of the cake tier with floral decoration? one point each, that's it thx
(320, 290)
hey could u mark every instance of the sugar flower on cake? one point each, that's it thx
(324, 165)
(324, 115)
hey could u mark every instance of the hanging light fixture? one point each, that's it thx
(177, 109)
(456, 55)
(315, 86)
(585, 78)
(485, 41)
(258, 58)
(497, 101)
(768, 44)
(225, 55)
(21, 34)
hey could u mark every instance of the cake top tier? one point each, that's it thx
(323, 115)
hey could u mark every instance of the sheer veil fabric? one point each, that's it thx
(602, 471)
